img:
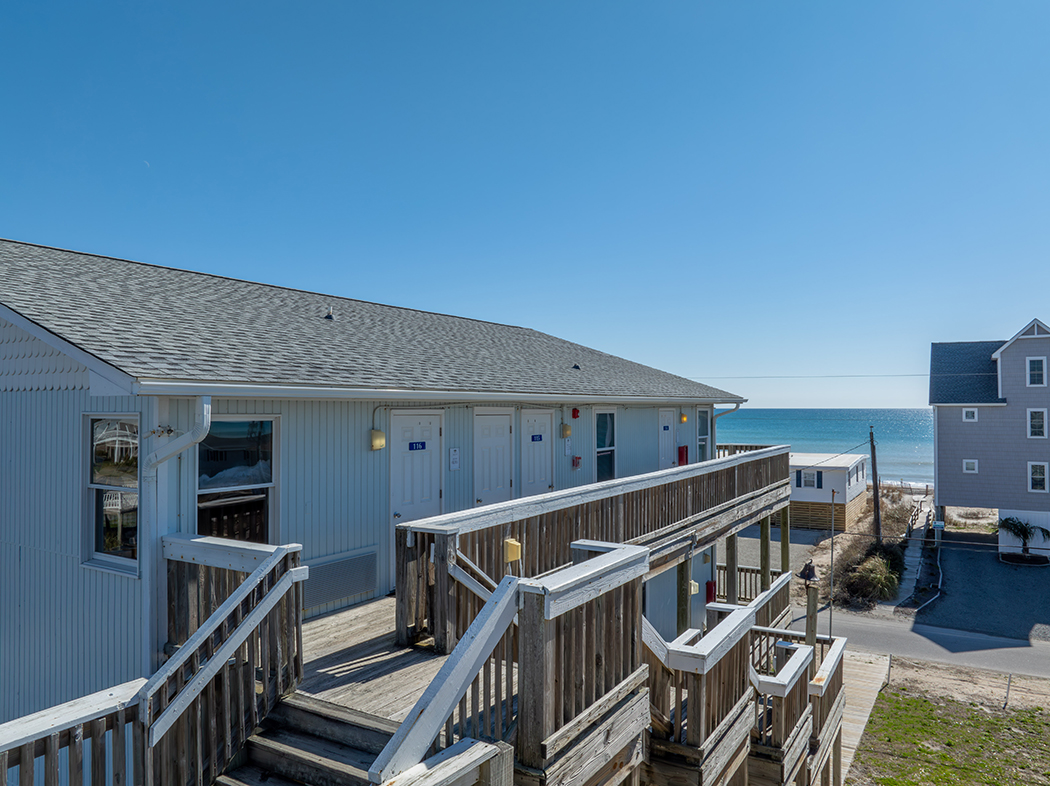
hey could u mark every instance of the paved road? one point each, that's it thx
(943, 645)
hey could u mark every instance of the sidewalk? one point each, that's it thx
(912, 565)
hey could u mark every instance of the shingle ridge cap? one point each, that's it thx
(264, 284)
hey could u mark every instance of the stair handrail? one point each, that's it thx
(154, 728)
(424, 722)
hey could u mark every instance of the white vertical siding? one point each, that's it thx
(65, 629)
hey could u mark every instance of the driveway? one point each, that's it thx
(982, 594)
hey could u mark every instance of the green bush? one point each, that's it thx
(872, 580)
(891, 552)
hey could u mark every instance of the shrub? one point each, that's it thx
(872, 580)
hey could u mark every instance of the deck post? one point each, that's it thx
(444, 611)
(765, 556)
(732, 569)
(535, 679)
(402, 593)
(684, 596)
(811, 614)
(785, 539)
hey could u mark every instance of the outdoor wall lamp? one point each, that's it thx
(566, 430)
(684, 418)
(378, 439)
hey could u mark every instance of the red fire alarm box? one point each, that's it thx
(576, 461)
(683, 455)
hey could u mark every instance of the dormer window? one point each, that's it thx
(1036, 372)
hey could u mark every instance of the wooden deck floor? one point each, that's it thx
(350, 658)
(863, 677)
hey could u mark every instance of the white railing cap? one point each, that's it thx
(574, 585)
(790, 673)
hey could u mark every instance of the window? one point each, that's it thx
(1037, 476)
(1036, 372)
(703, 434)
(809, 479)
(605, 442)
(970, 466)
(1037, 424)
(235, 480)
(114, 487)
(969, 415)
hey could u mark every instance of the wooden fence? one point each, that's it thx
(433, 555)
(733, 450)
(185, 724)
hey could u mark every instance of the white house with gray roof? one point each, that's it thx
(194, 403)
(991, 448)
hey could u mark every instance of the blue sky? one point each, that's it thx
(725, 190)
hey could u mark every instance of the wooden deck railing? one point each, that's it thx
(661, 510)
(784, 718)
(202, 705)
(702, 697)
(191, 717)
(749, 582)
(572, 664)
(93, 731)
(733, 450)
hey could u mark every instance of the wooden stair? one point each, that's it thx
(308, 741)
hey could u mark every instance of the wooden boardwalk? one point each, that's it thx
(349, 658)
(864, 674)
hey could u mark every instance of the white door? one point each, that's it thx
(537, 452)
(493, 467)
(415, 470)
(667, 439)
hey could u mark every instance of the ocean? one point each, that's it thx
(903, 437)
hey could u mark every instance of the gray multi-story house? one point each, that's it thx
(990, 402)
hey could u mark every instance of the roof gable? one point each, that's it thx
(1034, 329)
(157, 323)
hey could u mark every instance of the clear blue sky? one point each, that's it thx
(718, 189)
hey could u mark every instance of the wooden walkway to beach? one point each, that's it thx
(864, 674)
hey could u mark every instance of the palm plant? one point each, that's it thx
(1023, 531)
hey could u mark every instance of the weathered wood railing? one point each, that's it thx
(667, 511)
(826, 696)
(93, 733)
(749, 582)
(702, 700)
(191, 717)
(733, 450)
(202, 705)
(566, 686)
(784, 718)
(202, 573)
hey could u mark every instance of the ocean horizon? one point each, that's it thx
(903, 437)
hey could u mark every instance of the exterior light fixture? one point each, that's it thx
(684, 418)
(378, 440)
(566, 430)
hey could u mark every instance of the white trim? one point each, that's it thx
(89, 556)
(1028, 371)
(1046, 477)
(183, 388)
(975, 417)
(971, 404)
(273, 522)
(1028, 423)
(1046, 333)
(595, 411)
(973, 471)
(111, 374)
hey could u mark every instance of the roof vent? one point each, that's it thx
(329, 315)
(576, 366)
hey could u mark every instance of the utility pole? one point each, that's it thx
(875, 487)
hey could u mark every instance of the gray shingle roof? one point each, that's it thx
(963, 372)
(161, 323)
